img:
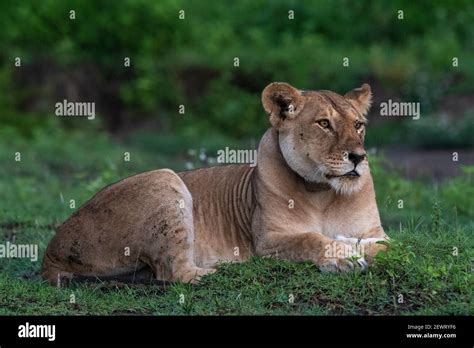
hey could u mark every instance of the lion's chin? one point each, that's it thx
(346, 185)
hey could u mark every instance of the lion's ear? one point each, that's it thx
(361, 98)
(281, 101)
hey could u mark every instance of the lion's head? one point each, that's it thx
(321, 133)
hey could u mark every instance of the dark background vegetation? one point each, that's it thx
(190, 62)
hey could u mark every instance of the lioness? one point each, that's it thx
(310, 198)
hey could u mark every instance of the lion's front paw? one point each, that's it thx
(343, 265)
(341, 257)
(367, 247)
(372, 249)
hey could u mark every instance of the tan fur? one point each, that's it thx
(294, 205)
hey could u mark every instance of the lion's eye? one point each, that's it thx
(324, 123)
(358, 125)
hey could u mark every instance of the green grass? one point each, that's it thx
(421, 274)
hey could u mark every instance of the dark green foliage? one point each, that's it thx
(191, 61)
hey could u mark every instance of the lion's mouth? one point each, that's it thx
(352, 174)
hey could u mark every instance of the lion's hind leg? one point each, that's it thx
(170, 233)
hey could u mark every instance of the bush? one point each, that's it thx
(191, 61)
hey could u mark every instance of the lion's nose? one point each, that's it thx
(356, 158)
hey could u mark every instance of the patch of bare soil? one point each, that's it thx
(435, 164)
